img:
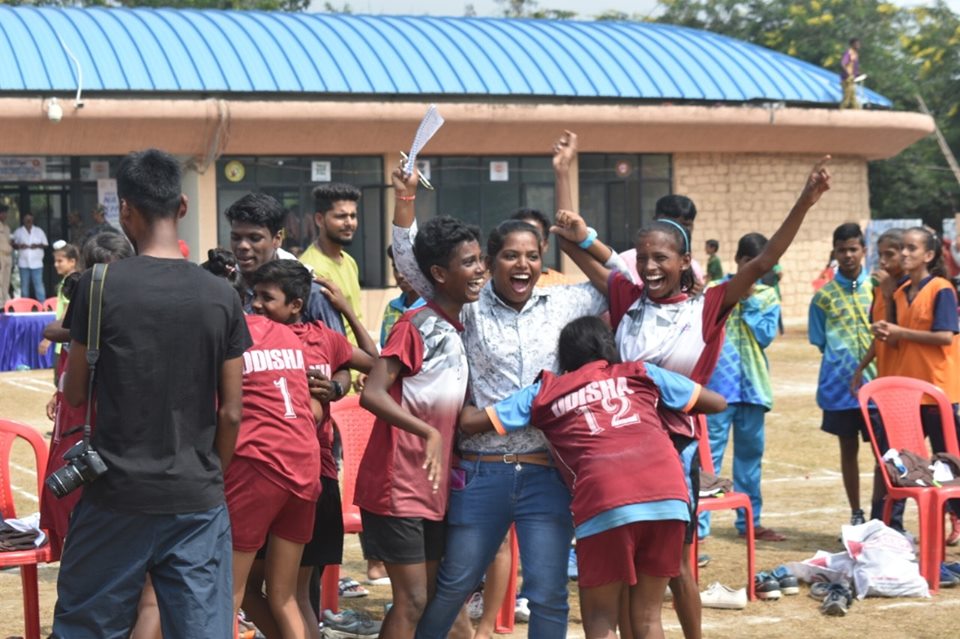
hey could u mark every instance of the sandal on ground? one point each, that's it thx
(379, 581)
(765, 534)
(351, 589)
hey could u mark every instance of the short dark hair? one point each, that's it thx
(390, 251)
(751, 245)
(70, 252)
(150, 181)
(326, 194)
(675, 207)
(715, 245)
(222, 263)
(105, 247)
(258, 209)
(290, 276)
(848, 231)
(26, 214)
(533, 215)
(498, 236)
(584, 340)
(894, 236)
(852, 40)
(437, 240)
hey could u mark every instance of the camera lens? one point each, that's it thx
(64, 481)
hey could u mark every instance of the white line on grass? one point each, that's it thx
(925, 602)
(31, 384)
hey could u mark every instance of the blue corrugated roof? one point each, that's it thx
(167, 50)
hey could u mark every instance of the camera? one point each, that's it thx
(83, 466)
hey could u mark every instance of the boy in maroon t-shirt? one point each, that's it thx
(280, 290)
(629, 495)
(416, 390)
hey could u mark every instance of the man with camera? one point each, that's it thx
(168, 392)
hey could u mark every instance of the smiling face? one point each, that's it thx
(515, 268)
(269, 300)
(660, 263)
(890, 258)
(849, 256)
(339, 224)
(915, 255)
(462, 278)
(253, 245)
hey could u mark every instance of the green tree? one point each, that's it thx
(528, 9)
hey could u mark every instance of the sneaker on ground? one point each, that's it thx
(857, 518)
(348, 624)
(766, 586)
(521, 612)
(838, 600)
(954, 537)
(572, 571)
(351, 589)
(789, 585)
(703, 560)
(720, 596)
(948, 578)
(819, 590)
(475, 605)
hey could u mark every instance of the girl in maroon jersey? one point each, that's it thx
(630, 503)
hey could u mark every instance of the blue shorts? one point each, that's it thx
(108, 555)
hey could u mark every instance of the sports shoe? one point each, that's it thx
(766, 586)
(787, 580)
(572, 571)
(475, 605)
(348, 624)
(954, 537)
(857, 518)
(838, 600)
(351, 589)
(819, 590)
(521, 612)
(948, 578)
(702, 561)
(719, 596)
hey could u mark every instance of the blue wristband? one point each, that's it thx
(589, 239)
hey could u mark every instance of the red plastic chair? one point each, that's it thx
(729, 501)
(50, 304)
(26, 560)
(22, 305)
(355, 425)
(898, 401)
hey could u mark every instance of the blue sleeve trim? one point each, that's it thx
(513, 412)
(945, 312)
(676, 391)
(663, 510)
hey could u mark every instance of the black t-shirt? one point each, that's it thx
(167, 328)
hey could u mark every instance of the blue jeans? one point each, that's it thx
(496, 495)
(748, 441)
(108, 555)
(31, 283)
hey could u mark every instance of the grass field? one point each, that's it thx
(803, 498)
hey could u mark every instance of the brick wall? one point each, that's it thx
(737, 194)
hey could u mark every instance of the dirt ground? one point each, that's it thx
(803, 497)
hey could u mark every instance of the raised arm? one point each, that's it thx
(595, 260)
(405, 230)
(564, 154)
(817, 184)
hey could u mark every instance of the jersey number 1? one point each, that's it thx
(281, 383)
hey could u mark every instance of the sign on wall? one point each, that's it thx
(500, 171)
(320, 171)
(22, 169)
(108, 199)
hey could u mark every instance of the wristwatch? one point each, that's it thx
(337, 389)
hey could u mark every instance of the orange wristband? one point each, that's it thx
(406, 198)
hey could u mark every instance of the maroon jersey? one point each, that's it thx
(277, 432)
(326, 351)
(432, 386)
(606, 435)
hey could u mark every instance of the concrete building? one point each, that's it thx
(281, 102)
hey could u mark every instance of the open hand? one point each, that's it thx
(333, 293)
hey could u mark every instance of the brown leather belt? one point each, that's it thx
(538, 459)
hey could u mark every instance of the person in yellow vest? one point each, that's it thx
(336, 219)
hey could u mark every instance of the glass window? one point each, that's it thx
(291, 181)
(618, 193)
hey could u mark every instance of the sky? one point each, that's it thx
(490, 7)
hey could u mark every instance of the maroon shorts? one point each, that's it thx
(652, 548)
(258, 506)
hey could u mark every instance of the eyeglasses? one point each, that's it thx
(423, 181)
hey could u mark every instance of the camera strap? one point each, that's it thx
(93, 337)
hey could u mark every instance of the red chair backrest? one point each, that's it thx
(355, 425)
(898, 401)
(22, 305)
(50, 304)
(9, 431)
(706, 456)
